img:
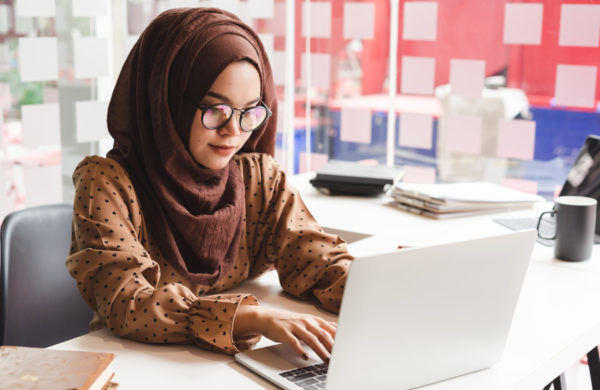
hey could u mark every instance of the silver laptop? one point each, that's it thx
(414, 317)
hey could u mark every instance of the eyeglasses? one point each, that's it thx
(215, 116)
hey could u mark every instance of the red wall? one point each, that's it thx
(467, 29)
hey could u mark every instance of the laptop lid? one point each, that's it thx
(417, 316)
(422, 315)
(584, 177)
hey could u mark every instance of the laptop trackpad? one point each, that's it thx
(275, 358)
(280, 357)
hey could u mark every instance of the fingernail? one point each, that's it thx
(327, 362)
(304, 356)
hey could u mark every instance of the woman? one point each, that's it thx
(190, 202)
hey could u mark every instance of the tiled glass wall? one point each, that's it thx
(342, 81)
(496, 90)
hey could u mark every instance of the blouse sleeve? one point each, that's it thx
(282, 232)
(117, 277)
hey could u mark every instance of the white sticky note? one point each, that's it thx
(6, 182)
(420, 175)
(355, 125)
(317, 161)
(281, 121)
(183, 3)
(261, 9)
(523, 23)
(232, 6)
(135, 18)
(4, 19)
(281, 158)
(278, 66)
(268, 41)
(579, 25)
(416, 130)
(43, 185)
(575, 85)
(1, 136)
(130, 41)
(531, 187)
(467, 77)
(90, 57)
(319, 70)
(3, 190)
(279, 19)
(418, 75)
(320, 19)
(463, 134)
(243, 14)
(5, 96)
(516, 139)
(38, 59)
(359, 20)
(164, 5)
(24, 26)
(89, 8)
(5, 56)
(91, 121)
(41, 125)
(29, 8)
(420, 20)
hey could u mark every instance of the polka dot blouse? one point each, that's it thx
(133, 290)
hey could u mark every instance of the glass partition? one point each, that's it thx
(504, 91)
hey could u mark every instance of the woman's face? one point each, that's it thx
(239, 86)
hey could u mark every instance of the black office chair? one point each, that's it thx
(39, 301)
(594, 366)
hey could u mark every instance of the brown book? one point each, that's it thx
(37, 368)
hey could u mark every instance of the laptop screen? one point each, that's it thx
(584, 177)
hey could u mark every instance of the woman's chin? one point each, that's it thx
(213, 163)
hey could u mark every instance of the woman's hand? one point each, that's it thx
(286, 327)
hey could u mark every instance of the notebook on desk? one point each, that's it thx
(353, 178)
(414, 317)
(583, 180)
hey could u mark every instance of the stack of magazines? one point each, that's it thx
(441, 201)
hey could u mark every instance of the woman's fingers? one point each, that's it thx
(330, 327)
(295, 328)
(313, 342)
(293, 342)
(323, 335)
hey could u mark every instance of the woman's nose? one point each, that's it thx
(232, 127)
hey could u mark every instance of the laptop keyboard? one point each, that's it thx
(547, 227)
(309, 377)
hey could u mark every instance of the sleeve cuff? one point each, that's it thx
(211, 322)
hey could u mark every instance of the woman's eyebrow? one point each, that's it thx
(226, 99)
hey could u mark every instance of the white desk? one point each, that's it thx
(556, 322)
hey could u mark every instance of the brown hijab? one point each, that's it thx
(194, 213)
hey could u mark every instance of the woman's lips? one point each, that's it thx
(223, 150)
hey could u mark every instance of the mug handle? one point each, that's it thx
(540, 221)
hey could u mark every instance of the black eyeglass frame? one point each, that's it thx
(204, 108)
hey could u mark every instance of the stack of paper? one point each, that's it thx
(458, 199)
